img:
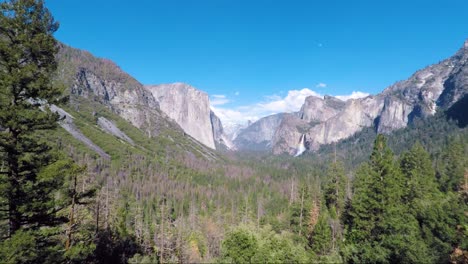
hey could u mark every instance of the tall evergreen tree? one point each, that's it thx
(432, 209)
(300, 212)
(27, 62)
(335, 189)
(452, 166)
(320, 239)
(379, 227)
(419, 176)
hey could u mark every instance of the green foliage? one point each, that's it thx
(379, 226)
(300, 212)
(321, 236)
(34, 177)
(27, 62)
(247, 245)
(240, 246)
(139, 259)
(416, 166)
(425, 201)
(451, 167)
(20, 248)
(166, 197)
(335, 194)
(278, 248)
(31, 246)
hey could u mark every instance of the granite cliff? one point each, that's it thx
(188, 107)
(258, 136)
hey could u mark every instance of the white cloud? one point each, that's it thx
(321, 85)
(219, 99)
(271, 104)
(353, 95)
(234, 116)
(291, 103)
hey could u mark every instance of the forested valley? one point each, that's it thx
(371, 198)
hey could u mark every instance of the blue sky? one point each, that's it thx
(249, 54)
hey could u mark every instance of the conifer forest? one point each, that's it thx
(73, 192)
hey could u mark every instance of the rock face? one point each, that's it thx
(149, 108)
(288, 134)
(112, 129)
(67, 124)
(222, 141)
(456, 86)
(258, 136)
(104, 82)
(232, 130)
(326, 120)
(316, 109)
(188, 107)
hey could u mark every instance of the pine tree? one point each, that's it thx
(452, 166)
(27, 62)
(419, 176)
(427, 204)
(335, 188)
(321, 237)
(300, 215)
(379, 227)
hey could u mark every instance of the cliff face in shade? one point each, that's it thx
(188, 107)
(222, 141)
(258, 136)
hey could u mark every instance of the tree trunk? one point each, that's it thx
(71, 217)
(14, 216)
(302, 209)
(161, 256)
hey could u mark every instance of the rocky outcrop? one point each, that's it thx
(66, 123)
(316, 109)
(102, 81)
(112, 129)
(288, 133)
(456, 86)
(259, 135)
(188, 107)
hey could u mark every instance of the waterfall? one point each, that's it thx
(301, 147)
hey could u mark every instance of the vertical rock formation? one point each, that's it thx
(188, 107)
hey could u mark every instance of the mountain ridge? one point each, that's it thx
(320, 120)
